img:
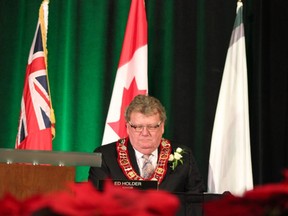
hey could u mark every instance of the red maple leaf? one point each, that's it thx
(128, 95)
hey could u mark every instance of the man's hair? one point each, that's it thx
(147, 105)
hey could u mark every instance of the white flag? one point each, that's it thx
(230, 157)
(131, 78)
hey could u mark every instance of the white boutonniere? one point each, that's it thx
(176, 158)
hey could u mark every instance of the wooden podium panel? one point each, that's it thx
(24, 180)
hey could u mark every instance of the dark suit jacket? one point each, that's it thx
(184, 178)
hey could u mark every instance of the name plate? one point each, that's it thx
(130, 184)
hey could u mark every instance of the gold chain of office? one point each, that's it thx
(125, 163)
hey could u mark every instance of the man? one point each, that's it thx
(124, 160)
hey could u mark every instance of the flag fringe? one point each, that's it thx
(43, 19)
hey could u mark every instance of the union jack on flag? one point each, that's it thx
(36, 123)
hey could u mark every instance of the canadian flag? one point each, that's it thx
(131, 78)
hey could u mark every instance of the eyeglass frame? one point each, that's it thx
(140, 128)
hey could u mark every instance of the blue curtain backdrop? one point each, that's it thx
(187, 45)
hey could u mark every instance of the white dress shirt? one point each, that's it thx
(153, 158)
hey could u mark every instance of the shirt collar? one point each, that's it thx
(139, 155)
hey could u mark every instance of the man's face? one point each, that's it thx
(145, 132)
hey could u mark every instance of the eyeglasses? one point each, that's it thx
(150, 128)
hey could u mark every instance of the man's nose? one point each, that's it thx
(145, 131)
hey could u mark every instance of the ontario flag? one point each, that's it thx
(131, 77)
(36, 123)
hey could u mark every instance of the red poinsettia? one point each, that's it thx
(270, 199)
(83, 199)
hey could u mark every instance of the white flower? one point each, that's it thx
(176, 157)
(171, 157)
(179, 150)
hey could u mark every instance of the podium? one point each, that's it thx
(24, 180)
(27, 172)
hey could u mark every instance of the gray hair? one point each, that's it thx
(147, 105)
